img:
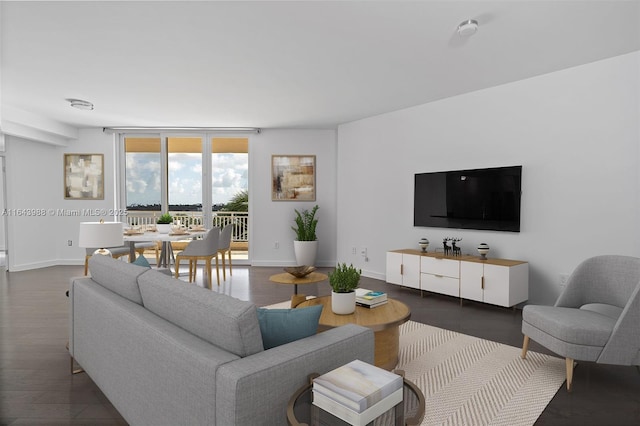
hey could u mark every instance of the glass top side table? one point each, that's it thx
(302, 412)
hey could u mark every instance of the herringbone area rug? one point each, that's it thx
(471, 381)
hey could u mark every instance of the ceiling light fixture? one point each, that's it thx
(467, 28)
(80, 104)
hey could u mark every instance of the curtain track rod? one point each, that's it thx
(180, 129)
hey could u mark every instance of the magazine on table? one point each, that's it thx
(369, 297)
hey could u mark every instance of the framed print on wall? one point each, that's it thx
(293, 177)
(84, 176)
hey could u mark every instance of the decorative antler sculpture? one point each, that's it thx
(453, 250)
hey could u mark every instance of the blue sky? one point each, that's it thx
(230, 175)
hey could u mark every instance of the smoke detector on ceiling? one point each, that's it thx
(80, 104)
(467, 28)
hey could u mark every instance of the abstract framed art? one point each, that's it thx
(293, 177)
(84, 176)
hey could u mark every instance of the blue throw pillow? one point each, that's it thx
(141, 261)
(280, 326)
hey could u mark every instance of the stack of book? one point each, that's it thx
(370, 299)
(357, 392)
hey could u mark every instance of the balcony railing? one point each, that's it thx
(220, 219)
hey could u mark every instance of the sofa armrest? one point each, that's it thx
(72, 284)
(255, 390)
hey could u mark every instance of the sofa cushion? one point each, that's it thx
(576, 326)
(221, 320)
(280, 326)
(603, 309)
(118, 276)
(141, 261)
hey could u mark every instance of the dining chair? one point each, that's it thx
(224, 246)
(205, 249)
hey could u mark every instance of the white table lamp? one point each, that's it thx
(100, 234)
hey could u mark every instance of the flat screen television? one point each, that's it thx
(487, 199)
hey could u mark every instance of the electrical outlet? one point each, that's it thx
(276, 245)
(69, 243)
(363, 253)
(353, 250)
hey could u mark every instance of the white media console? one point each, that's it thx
(499, 282)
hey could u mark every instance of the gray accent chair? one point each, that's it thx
(596, 318)
(205, 249)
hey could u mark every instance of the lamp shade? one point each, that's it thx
(100, 234)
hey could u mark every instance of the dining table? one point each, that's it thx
(166, 252)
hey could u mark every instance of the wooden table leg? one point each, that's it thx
(387, 345)
(297, 299)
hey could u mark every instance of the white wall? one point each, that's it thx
(271, 221)
(3, 221)
(576, 134)
(35, 183)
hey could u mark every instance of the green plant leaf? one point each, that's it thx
(165, 219)
(344, 279)
(306, 224)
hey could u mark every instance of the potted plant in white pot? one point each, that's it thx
(344, 280)
(164, 223)
(305, 245)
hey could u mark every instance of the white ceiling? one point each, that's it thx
(285, 64)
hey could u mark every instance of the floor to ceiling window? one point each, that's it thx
(184, 174)
(198, 179)
(230, 166)
(143, 174)
(230, 188)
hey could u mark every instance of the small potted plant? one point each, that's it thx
(344, 280)
(305, 245)
(164, 223)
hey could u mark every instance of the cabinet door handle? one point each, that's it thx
(482, 282)
(439, 276)
(401, 269)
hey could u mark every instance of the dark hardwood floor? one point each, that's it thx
(37, 389)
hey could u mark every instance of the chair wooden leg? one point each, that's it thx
(229, 252)
(178, 266)
(525, 347)
(224, 272)
(209, 274)
(217, 270)
(569, 364)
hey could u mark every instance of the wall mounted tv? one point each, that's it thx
(487, 199)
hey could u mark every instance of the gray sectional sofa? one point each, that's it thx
(166, 352)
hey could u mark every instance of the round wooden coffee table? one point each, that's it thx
(384, 320)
